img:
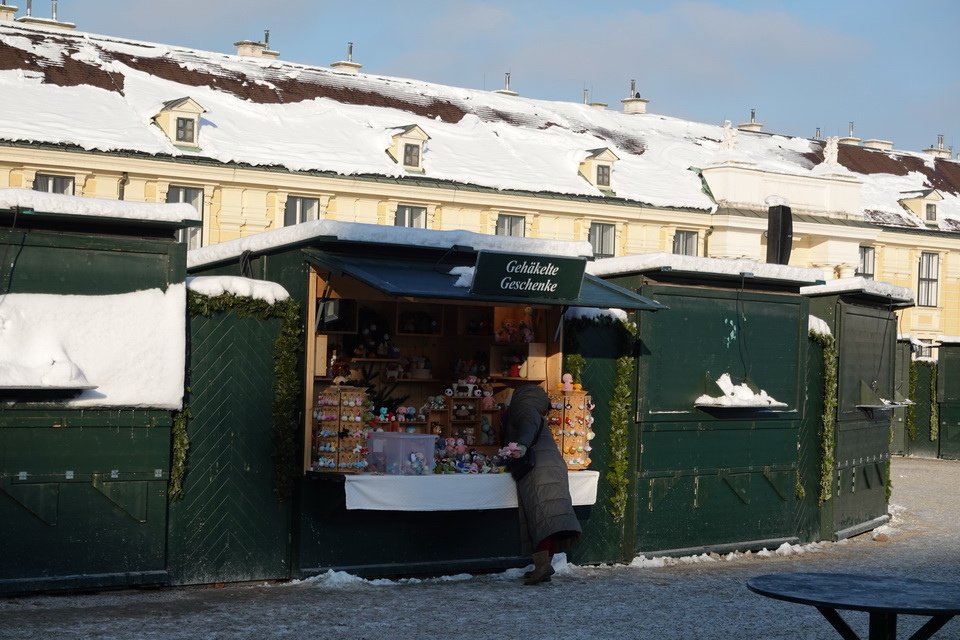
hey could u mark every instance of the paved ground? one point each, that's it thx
(696, 599)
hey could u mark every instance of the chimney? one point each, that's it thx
(816, 135)
(52, 21)
(507, 91)
(634, 103)
(753, 125)
(252, 49)
(939, 151)
(850, 138)
(348, 65)
(879, 145)
(7, 11)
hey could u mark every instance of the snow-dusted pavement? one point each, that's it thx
(690, 599)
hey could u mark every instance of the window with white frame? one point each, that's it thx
(187, 130)
(931, 210)
(411, 155)
(685, 243)
(299, 209)
(923, 350)
(603, 175)
(192, 236)
(508, 225)
(53, 184)
(867, 261)
(409, 216)
(602, 236)
(927, 281)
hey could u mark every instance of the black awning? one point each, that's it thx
(421, 279)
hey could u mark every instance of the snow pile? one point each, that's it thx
(212, 286)
(131, 347)
(464, 276)
(591, 313)
(947, 340)
(737, 395)
(96, 207)
(817, 326)
(784, 550)
(707, 266)
(861, 284)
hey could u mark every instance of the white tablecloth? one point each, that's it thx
(451, 492)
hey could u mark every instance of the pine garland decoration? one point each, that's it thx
(574, 363)
(934, 407)
(828, 420)
(181, 445)
(286, 387)
(912, 408)
(620, 403)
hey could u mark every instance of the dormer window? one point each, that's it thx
(931, 212)
(180, 120)
(186, 130)
(603, 175)
(408, 147)
(597, 169)
(411, 155)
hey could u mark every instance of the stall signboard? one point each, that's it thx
(528, 275)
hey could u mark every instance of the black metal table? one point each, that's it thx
(883, 597)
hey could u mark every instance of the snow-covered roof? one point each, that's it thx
(101, 93)
(647, 262)
(96, 207)
(948, 339)
(122, 350)
(212, 286)
(859, 284)
(381, 234)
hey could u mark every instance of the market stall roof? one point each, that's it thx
(428, 279)
(896, 297)
(679, 266)
(28, 204)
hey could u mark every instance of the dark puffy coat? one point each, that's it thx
(544, 493)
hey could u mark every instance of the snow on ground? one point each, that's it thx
(699, 597)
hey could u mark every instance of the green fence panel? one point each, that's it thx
(901, 387)
(810, 449)
(229, 525)
(83, 498)
(950, 430)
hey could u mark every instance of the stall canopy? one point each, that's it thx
(408, 278)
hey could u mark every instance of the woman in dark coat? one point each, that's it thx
(548, 524)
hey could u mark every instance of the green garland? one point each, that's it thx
(934, 423)
(573, 364)
(911, 426)
(620, 402)
(286, 387)
(181, 445)
(829, 418)
(934, 407)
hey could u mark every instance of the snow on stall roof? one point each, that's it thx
(591, 313)
(858, 284)
(818, 326)
(382, 234)
(693, 264)
(96, 207)
(131, 347)
(948, 339)
(212, 286)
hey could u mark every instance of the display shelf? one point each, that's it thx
(570, 421)
(340, 418)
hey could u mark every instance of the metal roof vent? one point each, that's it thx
(348, 65)
(507, 91)
(753, 125)
(939, 151)
(850, 138)
(634, 103)
(46, 22)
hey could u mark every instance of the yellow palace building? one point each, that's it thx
(256, 143)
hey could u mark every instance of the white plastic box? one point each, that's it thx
(400, 454)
